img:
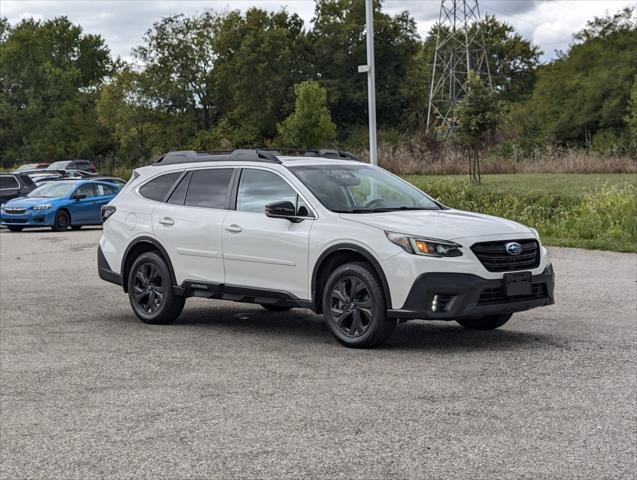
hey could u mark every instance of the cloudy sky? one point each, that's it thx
(548, 23)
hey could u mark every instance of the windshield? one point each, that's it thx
(53, 190)
(361, 189)
(58, 165)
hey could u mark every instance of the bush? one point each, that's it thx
(605, 218)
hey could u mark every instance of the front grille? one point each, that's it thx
(491, 296)
(14, 211)
(495, 258)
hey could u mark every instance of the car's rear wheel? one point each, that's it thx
(354, 306)
(486, 323)
(150, 290)
(14, 229)
(276, 308)
(62, 221)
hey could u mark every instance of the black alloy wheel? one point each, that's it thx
(354, 306)
(351, 306)
(150, 290)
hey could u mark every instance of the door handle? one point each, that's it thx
(233, 228)
(166, 221)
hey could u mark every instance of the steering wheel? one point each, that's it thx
(377, 202)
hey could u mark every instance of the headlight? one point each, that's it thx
(429, 247)
(46, 206)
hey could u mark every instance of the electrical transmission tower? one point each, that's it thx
(460, 48)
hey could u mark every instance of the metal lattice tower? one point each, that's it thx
(460, 47)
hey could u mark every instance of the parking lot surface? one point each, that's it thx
(232, 391)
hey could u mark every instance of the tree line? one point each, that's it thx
(233, 79)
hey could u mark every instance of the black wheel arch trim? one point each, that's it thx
(352, 247)
(158, 246)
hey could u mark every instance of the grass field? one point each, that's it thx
(597, 211)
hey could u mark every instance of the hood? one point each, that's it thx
(27, 202)
(440, 224)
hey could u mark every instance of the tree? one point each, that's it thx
(631, 117)
(585, 91)
(476, 115)
(311, 123)
(339, 42)
(50, 73)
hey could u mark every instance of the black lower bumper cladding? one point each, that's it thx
(104, 269)
(470, 296)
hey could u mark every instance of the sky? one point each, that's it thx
(548, 23)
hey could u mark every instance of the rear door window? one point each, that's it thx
(8, 181)
(209, 188)
(158, 187)
(103, 190)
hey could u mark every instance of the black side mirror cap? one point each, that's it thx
(284, 209)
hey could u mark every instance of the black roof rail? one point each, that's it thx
(323, 152)
(191, 156)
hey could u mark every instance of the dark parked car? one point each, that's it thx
(83, 165)
(14, 185)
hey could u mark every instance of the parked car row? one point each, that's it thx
(58, 203)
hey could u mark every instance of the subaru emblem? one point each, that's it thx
(513, 248)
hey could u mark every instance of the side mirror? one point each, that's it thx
(285, 209)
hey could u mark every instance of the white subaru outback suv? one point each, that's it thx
(319, 230)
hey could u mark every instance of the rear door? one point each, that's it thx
(263, 252)
(189, 224)
(82, 207)
(9, 188)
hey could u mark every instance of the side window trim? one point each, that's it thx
(175, 185)
(312, 215)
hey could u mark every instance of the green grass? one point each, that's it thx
(575, 210)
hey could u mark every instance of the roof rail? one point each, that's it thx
(323, 152)
(191, 156)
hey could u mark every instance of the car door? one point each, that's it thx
(83, 205)
(103, 194)
(262, 252)
(9, 188)
(189, 224)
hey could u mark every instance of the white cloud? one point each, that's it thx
(549, 23)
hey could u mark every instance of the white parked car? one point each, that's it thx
(322, 231)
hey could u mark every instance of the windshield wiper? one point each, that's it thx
(381, 210)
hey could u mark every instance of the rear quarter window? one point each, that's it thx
(158, 187)
(8, 181)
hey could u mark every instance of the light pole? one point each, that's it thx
(371, 82)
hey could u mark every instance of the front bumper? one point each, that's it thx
(30, 218)
(461, 296)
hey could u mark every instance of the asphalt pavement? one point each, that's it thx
(232, 391)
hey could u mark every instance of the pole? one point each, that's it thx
(371, 82)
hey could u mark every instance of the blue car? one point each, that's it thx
(59, 205)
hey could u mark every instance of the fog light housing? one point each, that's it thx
(434, 304)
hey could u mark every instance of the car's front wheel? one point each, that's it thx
(486, 323)
(62, 221)
(150, 290)
(354, 306)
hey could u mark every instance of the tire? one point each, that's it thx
(150, 290)
(275, 308)
(354, 306)
(14, 229)
(62, 221)
(486, 323)
(76, 227)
